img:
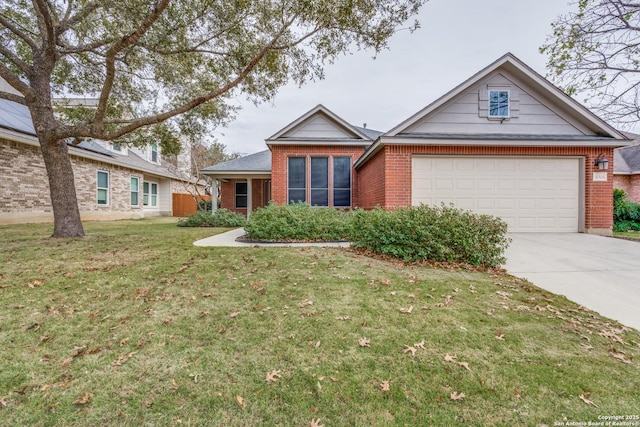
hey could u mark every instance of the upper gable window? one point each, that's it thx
(498, 103)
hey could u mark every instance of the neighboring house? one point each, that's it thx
(627, 170)
(505, 142)
(112, 181)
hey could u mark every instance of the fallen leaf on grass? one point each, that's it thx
(465, 365)
(500, 335)
(3, 402)
(272, 376)
(305, 303)
(457, 396)
(84, 399)
(234, 314)
(123, 341)
(419, 345)
(409, 349)
(343, 318)
(620, 357)
(66, 362)
(384, 385)
(449, 358)
(406, 310)
(316, 423)
(364, 342)
(123, 359)
(583, 397)
(240, 401)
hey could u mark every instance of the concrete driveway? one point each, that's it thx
(600, 273)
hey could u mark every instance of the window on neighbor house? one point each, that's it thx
(135, 189)
(241, 194)
(150, 194)
(103, 188)
(498, 103)
(319, 181)
(297, 180)
(342, 182)
(154, 152)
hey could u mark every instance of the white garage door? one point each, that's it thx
(530, 194)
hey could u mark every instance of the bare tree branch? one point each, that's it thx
(18, 32)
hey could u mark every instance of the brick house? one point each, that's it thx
(505, 142)
(626, 174)
(112, 182)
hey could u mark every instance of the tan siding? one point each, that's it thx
(318, 126)
(461, 114)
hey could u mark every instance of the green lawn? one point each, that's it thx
(627, 234)
(133, 325)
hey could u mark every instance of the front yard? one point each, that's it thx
(133, 325)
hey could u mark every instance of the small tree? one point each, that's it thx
(593, 52)
(163, 67)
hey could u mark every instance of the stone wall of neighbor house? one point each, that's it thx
(393, 162)
(280, 154)
(630, 184)
(228, 195)
(24, 187)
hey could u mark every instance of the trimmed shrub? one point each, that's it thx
(298, 222)
(626, 214)
(437, 234)
(220, 218)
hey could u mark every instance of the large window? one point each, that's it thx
(342, 182)
(319, 181)
(498, 103)
(135, 190)
(297, 170)
(329, 180)
(103, 188)
(241, 194)
(150, 194)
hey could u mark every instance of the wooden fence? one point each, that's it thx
(185, 204)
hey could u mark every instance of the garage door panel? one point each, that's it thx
(529, 194)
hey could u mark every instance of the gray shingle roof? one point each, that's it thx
(15, 117)
(257, 162)
(627, 160)
(372, 134)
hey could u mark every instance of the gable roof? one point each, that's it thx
(602, 134)
(514, 65)
(341, 131)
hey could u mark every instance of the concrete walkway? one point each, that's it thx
(228, 239)
(600, 273)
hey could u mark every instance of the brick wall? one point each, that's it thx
(228, 195)
(280, 154)
(393, 163)
(630, 184)
(24, 187)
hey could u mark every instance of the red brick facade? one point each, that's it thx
(258, 195)
(388, 175)
(630, 184)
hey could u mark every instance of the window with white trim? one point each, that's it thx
(154, 153)
(135, 190)
(102, 188)
(241, 194)
(498, 103)
(150, 194)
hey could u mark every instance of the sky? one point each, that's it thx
(457, 38)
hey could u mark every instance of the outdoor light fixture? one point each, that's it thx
(601, 162)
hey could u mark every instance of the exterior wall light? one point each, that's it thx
(601, 162)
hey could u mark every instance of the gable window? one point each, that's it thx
(154, 152)
(135, 189)
(319, 181)
(241, 194)
(498, 103)
(297, 179)
(103, 188)
(117, 147)
(342, 182)
(150, 194)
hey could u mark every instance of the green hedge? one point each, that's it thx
(424, 233)
(220, 218)
(626, 214)
(298, 222)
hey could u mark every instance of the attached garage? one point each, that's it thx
(531, 194)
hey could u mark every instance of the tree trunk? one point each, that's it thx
(62, 189)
